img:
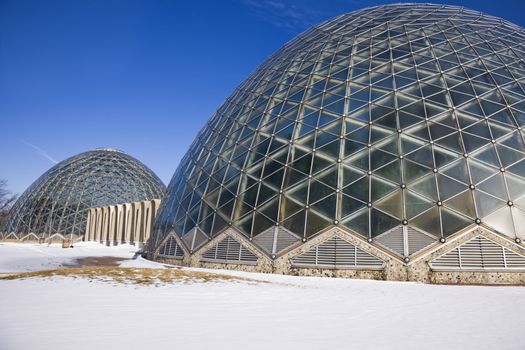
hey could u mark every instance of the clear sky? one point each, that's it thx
(139, 75)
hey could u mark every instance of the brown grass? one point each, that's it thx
(138, 276)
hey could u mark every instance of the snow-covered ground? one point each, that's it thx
(16, 257)
(284, 312)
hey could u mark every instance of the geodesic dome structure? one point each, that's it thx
(401, 124)
(57, 203)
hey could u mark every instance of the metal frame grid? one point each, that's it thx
(58, 202)
(405, 114)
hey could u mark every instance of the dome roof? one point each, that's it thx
(58, 201)
(405, 114)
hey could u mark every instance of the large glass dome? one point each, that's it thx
(391, 116)
(57, 202)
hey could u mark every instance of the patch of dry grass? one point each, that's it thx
(127, 275)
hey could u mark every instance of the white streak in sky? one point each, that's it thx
(41, 152)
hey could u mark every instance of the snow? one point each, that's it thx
(16, 257)
(283, 312)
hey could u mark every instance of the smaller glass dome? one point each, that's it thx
(57, 202)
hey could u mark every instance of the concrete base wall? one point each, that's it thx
(395, 269)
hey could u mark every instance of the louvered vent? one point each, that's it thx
(479, 253)
(275, 240)
(231, 251)
(393, 240)
(417, 241)
(265, 240)
(285, 240)
(171, 249)
(405, 241)
(338, 253)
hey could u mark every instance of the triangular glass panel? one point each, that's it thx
(487, 155)
(457, 170)
(381, 222)
(463, 203)
(326, 206)
(296, 223)
(422, 156)
(480, 171)
(350, 205)
(515, 185)
(359, 222)
(428, 221)
(391, 204)
(415, 204)
(486, 204)
(390, 172)
(518, 169)
(494, 186)
(448, 187)
(358, 189)
(501, 221)
(315, 223)
(426, 187)
(508, 156)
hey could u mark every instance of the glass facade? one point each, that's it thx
(58, 201)
(398, 115)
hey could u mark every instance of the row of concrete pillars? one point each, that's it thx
(123, 223)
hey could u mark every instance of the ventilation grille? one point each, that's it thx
(265, 240)
(417, 241)
(275, 240)
(171, 249)
(230, 251)
(393, 240)
(405, 241)
(479, 253)
(285, 240)
(337, 252)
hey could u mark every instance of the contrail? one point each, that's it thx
(41, 152)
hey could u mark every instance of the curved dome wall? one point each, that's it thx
(57, 202)
(393, 116)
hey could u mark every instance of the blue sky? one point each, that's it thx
(139, 75)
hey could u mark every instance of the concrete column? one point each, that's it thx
(156, 205)
(129, 222)
(148, 222)
(105, 224)
(98, 228)
(139, 222)
(89, 225)
(120, 224)
(93, 226)
(112, 224)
